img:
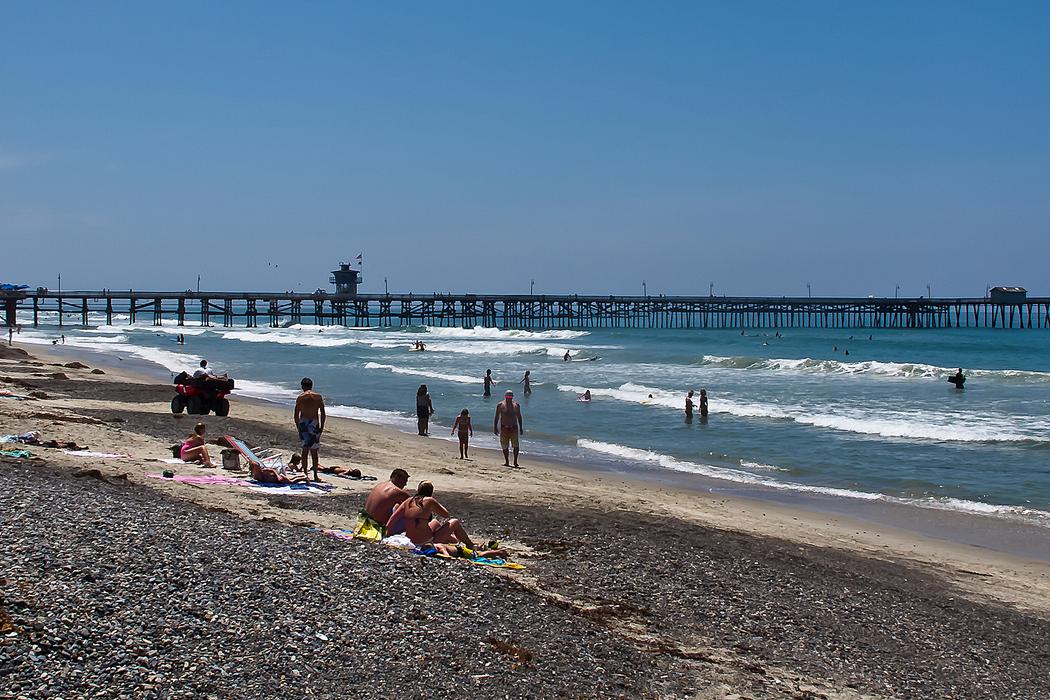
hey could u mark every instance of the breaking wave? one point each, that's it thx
(920, 425)
(808, 365)
(460, 378)
(497, 334)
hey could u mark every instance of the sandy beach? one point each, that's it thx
(118, 584)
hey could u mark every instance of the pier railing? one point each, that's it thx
(254, 309)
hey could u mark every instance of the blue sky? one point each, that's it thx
(478, 146)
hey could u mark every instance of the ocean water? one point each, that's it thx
(791, 414)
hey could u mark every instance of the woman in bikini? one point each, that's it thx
(416, 515)
(194, 449)
(424, 410)
(277, 473)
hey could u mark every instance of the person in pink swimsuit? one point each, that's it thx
(194, 448)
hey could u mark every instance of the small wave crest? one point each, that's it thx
(808, 365)
(498, 348)
(371, 415)
(498, 334)
(758, 466)
(459, 378)
(918, 425)
(317, 340)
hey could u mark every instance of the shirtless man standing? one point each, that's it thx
(309, 420)
(508, 425)
(387, 496)
(489, 381)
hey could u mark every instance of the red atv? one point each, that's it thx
(201, 396)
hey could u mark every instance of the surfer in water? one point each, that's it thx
(489, 381)
(585, 396)
(566, 356)
(958, 379)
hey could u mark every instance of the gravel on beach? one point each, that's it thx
(111, 590)
(118, 591)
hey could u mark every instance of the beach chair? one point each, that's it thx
(263, 457)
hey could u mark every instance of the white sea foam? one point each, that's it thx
(313, 328)
(509, 348)
(384, 341)
(79, 341)
(920, 425)
(448, 340)
(949, 427)
(460, 378)
(725, 473)
(158, 330)
(267, 391)
(172, 361)
(632, 393)
(498, 334)
(370, 415)
(807, 365)
(317, 340)
(1029, 515)
(758, 466)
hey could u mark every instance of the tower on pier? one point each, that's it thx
(345, 279)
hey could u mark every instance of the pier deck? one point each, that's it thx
(254, 309)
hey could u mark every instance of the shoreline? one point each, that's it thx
(1020, 577)
(900, 520)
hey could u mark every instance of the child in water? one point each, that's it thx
(466, 431)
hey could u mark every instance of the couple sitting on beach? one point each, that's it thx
(421, 518)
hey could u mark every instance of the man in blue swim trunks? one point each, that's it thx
(309, 420)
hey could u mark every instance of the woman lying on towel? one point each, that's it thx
(276, 472)
(463, 552)
(413, 517)
(194, 449)
(296, 461)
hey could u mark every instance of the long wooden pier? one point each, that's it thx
(254, 309)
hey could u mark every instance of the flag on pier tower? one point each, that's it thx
(360, 260)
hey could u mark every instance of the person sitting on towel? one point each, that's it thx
(420, 528)
(277, 472)
(194, 449)
(385, 497)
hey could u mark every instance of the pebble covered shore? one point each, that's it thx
(114, 590)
